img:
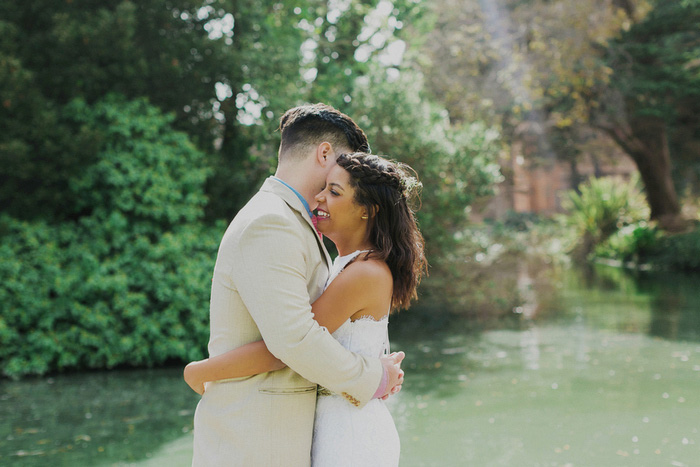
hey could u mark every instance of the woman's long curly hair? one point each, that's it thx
(386, 189)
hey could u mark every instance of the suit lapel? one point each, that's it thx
(295, 203)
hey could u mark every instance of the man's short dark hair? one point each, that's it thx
(312, 124)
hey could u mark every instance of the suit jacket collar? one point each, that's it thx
(288, 196)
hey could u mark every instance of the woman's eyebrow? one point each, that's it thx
(336, 185)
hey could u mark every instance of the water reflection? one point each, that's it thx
(92, 418)
(665, 305)
(606, 377)
(598, 367)
(675, 313)
(604, 399)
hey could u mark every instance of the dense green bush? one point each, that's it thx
(602, 207)
(642, 244)
(632, 243)
(128, 282)
(609, 218)
(680, 252)
(71, 300)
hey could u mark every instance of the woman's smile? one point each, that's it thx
(338, 216)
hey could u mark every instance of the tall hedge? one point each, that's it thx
(127, 283)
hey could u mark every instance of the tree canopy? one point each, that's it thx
(579, 71)
(132, 127)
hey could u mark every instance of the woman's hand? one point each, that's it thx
(192, 379)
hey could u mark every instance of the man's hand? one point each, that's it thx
(191, 378)
(392, 366)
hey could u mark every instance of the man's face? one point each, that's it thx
(332, 161)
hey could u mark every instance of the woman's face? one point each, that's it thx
(337, 213)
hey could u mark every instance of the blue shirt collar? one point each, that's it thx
(301, 198)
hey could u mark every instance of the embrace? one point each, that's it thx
(299, 364)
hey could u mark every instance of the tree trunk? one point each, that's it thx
(645, 140)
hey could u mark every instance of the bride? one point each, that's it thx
(364, 209)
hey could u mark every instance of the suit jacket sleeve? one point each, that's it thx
(271, 280)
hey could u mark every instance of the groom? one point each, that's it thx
(271, 265)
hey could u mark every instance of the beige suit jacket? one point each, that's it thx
(271, 265)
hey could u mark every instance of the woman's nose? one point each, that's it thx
(319, 197)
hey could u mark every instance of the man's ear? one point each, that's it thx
(324, 154)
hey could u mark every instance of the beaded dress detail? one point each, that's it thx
(345, 436)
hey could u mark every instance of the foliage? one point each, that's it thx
(54, 52)
(656, 62)
(226, 90)
(290, 53)
(641, 245)
(127, 283)
(163, 50)
(518, 57)
(680, 252)
(656, 67)
(603, 206)
(263, 80)
(226, 69)
(579, 73)
(148, 173)
(520, 221)
(631, 244)
(455, 165)
(105, 256)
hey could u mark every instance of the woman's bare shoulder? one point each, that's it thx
(370, 271)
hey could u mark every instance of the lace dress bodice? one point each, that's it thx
(345, 436)
(365, 336)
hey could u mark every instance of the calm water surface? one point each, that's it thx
(602, 369)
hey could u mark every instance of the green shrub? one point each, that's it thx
(127, 284)
(680, 252)
(70, 303)
(644, 244)
(633, 243)
(603, 206)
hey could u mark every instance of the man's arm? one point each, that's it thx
(271, 280)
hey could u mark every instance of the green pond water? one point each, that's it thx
(594, 369)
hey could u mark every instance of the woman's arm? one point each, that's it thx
(364, 288)
(355, 290)
(247, 360)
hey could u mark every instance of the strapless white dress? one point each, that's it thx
(345, 436)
